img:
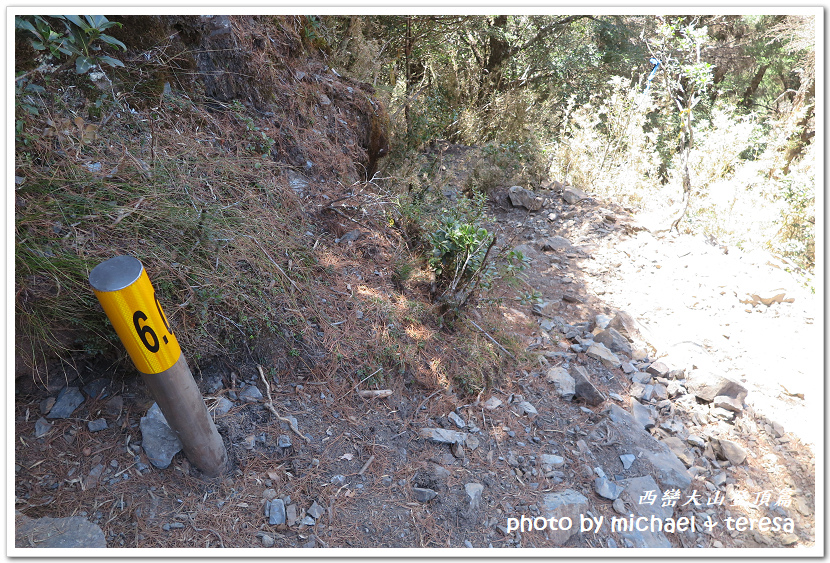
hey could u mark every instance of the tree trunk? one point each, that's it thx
(749, 93)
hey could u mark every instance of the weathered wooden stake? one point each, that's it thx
(127, 296)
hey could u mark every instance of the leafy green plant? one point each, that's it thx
(81, 42)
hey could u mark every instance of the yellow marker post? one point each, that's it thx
(129, 300)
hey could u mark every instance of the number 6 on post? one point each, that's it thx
(127, 296)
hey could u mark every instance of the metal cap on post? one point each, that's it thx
(127, 296)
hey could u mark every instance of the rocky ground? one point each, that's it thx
(669, 400)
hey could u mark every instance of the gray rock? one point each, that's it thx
(457, 420)
(443, 435)
(474, 491)
(613, 340)
(642, 415)
(284, 441)
(607, 489)
(250, 394)
(598, 351)
(492, 403)
(351, 236)
(677, 447)
(159, 441)
(573, 195)
(619, 506)
(602, 321)
(728, 403)
(567, 503)
(636, 495)
(276, 512)
(267, 541)
(696, 440)
(291, 514)
(671, 471)
(640, 377)
(658, 369)
(562, 381)
(69, 399)
(707, 385)
(71, 532)
(674, 389)
(555, 243)
(660, 392)
(46, 405)
(269, 495)
(97, 425)
(552, 460)
(526, 408)
(584, 389)
(467, 543)
(471, 442)
(223, 406)
(42, 427)
(315, 510)
(520, 197)
(97, 388)
(308, 521)
(627, 460)
(730, 451)
(423, 495)
(95, 473)
(338, 480)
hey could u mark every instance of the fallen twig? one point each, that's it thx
(270, 406)
(484, 332)
(366, 465)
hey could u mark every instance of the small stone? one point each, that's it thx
(562, 381)
(552, 460)
(315, 511)
(97, 425)
(707, 385)
(660, 392)
(658, 369)
(42, 427)
(338, 480)
(47, 532)
(642, 415)
(598, 351)
(443, 435)
(520, 197)
(474, 491)
(696, 440)
(276, 512)
(267, 541)
(291, 514)
(250, 394)
(69, 399)
(573, 195)
(269, 495)
(731, 451)
(619, 506)
(423, 495)
(46, 405)
(97, 388)
(728, 403)
(614, 341)
(351, 236)
(607, 489)
(627, 460)
(308, 521)
(223, 406)
(457, 420)
(628, 368)
(492, 403)
(641, 377)
(585, 389)
(159, 441)
(471, 442)
(789, 539)
(468, 544)
(526, 408)
(284, 441)
(616, 397)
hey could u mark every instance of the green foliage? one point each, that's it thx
(81, 41)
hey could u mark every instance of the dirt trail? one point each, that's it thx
(425, 468)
